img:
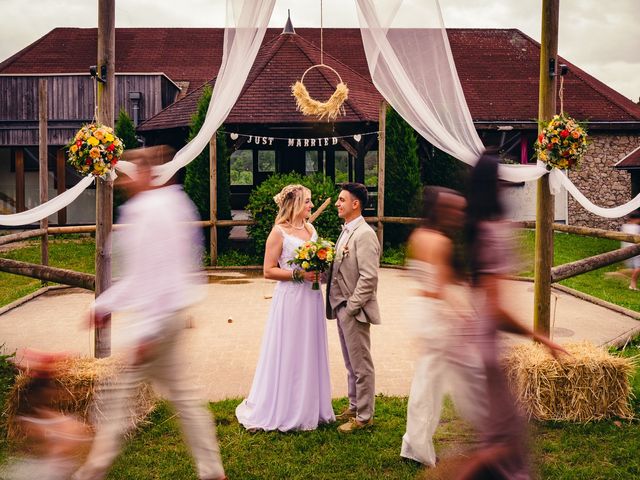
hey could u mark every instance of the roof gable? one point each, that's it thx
(266, 96)
(498, 68)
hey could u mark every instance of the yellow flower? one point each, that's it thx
(93, 141)
(108, 137)
(95, 152)
(305, 265)
(73, 148)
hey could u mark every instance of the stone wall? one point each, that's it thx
(600, 182)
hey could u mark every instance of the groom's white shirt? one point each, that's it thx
(346, 229)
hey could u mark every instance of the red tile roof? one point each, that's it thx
(263, 100)
(498, 69)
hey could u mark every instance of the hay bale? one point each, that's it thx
(79, 380)
(589, 385)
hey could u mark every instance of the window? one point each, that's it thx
(310, 162)
(341, 166)
(242, 167)
(266, 161)
(371, 168)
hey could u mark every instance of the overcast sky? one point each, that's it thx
(601, 37)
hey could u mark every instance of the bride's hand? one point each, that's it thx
(311, 276)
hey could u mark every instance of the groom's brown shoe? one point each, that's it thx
(353, 424)
(346, 415)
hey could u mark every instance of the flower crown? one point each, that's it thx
(287, 193)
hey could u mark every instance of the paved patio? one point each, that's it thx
(223, 345)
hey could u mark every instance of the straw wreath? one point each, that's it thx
(311, 107)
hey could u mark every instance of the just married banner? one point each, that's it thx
(309, 142)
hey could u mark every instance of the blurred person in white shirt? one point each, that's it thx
(161, 277)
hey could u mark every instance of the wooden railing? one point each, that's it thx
(84, 280)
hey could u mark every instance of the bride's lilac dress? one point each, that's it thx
(291, 388)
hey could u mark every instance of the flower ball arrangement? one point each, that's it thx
(95, 150)
(562, 143)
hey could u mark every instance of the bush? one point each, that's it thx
(264, 210)
(443, 170)
(126, 131)
(196, 181)
(403, 187)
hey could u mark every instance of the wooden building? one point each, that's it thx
(161, 73)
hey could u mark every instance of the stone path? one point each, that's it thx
(222, 354)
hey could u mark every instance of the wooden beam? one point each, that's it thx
(62, 185)
(213, 198)
(16, 237)
(19, 162)
(348, 147)
(320, 209)
(589, 232)
(545, 203)
(382, 141)
(43, 163)
(400, 220)
(584, 265)
(48, 274)
(104, 188)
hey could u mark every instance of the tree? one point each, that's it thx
(125, 131)
(403, 187)
(196, 182)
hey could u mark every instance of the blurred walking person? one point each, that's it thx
(443, 320)
(161, 278)
(503, 454)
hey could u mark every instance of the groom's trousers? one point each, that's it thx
(355, 341)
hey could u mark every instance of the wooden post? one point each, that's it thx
(213, 197)
(382, 123)
(43, 158)
(545, 201)
(19, 160)
(62, 185)
(104, 188)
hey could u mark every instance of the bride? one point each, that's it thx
(291, 388)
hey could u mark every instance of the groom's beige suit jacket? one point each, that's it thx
(353, 277)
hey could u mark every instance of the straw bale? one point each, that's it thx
(589, 385)
(80, 381)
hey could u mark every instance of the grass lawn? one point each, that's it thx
(70, 252)
(569, 248)
(603, 450)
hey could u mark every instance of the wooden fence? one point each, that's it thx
(87, 281)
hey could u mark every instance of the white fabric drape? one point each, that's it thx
(411, 65)
(48, 208)
(557, 178)
(246, 25)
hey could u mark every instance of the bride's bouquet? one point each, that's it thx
(314, 257)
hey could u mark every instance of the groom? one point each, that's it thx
(351, 298)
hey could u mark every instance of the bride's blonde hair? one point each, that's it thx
(290, 203)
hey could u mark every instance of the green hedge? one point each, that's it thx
(196, 181)
(264, 210)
